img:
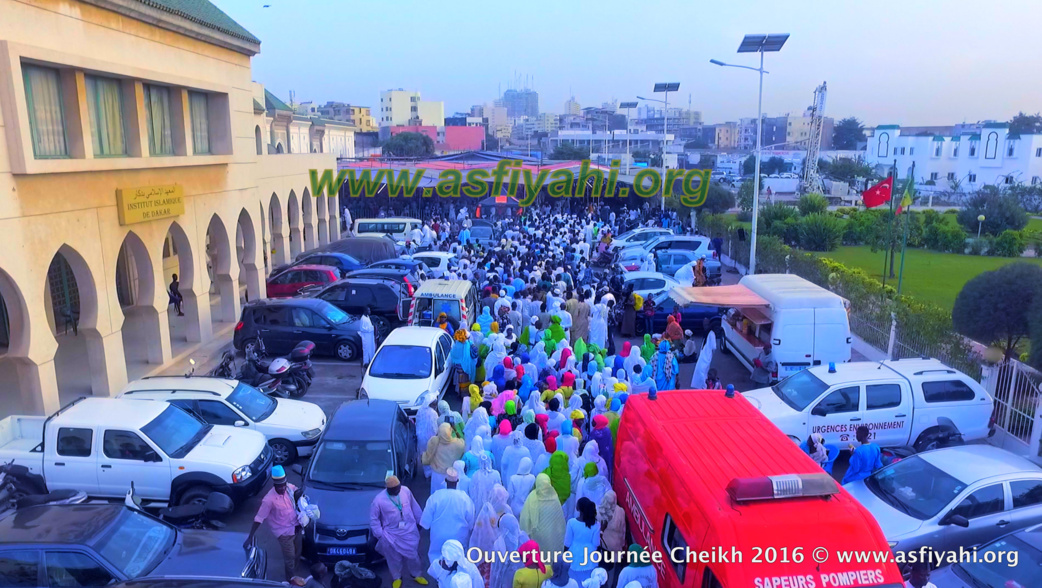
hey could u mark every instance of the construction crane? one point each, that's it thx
(811, 179)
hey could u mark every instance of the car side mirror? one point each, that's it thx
(955, 519)
(239, 423)
(819, 411)
(152, 457)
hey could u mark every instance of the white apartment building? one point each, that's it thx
(402, 107)
(571, 106)
(965, 161)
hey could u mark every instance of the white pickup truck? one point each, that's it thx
(101, 445)
(907, 402)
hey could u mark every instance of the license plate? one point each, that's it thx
(341, 551)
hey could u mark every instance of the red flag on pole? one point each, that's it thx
(879, 194)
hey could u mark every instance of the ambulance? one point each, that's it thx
(722, 499)
(458, 299)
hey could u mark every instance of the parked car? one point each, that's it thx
(410, 367)
(365, 249)
(693, 316)
(342, 261)
(386, 298)
(101, 445)
(100, 544)
(695, 243)
(416, 268)
(993, 567)
(484, 233)
(648, 283)
(669, 262)
(290, 281)
(631, 259)
(291, 426)
(952, 497)
(900, 400)
(283, 323)
(439, 263)
(410, 282)
(638, 236)
(364, 442)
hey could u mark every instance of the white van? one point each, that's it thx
(398, 228)
(803, 325)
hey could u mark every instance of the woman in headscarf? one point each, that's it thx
(442, 450)
(483, 537)
(495, 358)
(513, 455)
(452, 563)
(599, 324)
(561, 577)
(426, 428)
(453, 418)
(600, 406)
(483, 481)
(509, 371)
(590, 454)
(601, 435)
(647, 350)
(598, 578)
(477, 338)
(463, 354)
(580, 313)
(639, 570)
(527, 385)
(665, 367)
(561, 477)
(539, 357)
(673, 332)
(557, 333)
(461, 472)
(613, 524)
(500, 500)
(508, 541)
(498, 373)
(567, 442)
(473, 400)
(582, 536)
(629, 313)
(542, 517)
(478, 419)
(534, 572)
(594, 483)
(444, 324)
(472, 457)
(485, 320)
(501, 440)
(520, 485)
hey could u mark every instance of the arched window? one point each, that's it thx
(260, 144)
(278, 147)
(883, 147)
(991, 146)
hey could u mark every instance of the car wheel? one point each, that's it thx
(382, 327)
(721, 344)
(249, 347)
(639, 326)
(345, 351)
(283, 451)
(194, 495)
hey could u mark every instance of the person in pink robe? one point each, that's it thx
(393, 519)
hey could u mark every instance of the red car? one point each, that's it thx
(288, 282)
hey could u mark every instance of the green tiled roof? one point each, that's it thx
(888, 127)
(203, 12)
(996, 125)
(938, 138)
(272, 102)
(974, 137)
(257, 106)
(956, 138)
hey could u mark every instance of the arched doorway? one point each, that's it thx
(321, 223)
(309, 220)
(296, 240)
(18, 376)
(178, 260)
(224, 291)
(246, 255)
(135, 290)
(275, 229)
(334, 217)
(260, 144)
(72, 312)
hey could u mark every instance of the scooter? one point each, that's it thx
(295, 373)
(19, 489)
(197, 515)
(270, 384)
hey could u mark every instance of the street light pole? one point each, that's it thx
(627, 106)
(756, 44)
(665, 137)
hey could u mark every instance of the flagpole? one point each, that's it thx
(904, 241)
(887, 252)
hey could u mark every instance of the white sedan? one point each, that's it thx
(648, 283)
(411, 367)
(439, 262)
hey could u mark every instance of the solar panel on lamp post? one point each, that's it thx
(756, 44)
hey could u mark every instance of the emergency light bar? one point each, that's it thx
(784, 486)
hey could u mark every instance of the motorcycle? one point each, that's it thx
(197, 515)
(295, 372)
(270, 384)
(19, 489)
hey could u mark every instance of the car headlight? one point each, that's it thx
(362, 393)
(311, 434)
(425, 398)
(241, 474)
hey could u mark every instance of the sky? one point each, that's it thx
(909, 62)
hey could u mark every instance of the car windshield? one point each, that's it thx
(251, 402)
(135, 543)
(428, 309)
(402, 362)
(352, 463)
(175, 431)
(799, 389)
(914, 487)
(334, 314)
(1014, 562)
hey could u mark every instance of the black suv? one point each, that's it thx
(387, 299)
(284, 322)
(363, 442)
(99, 544)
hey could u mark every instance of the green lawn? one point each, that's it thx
(929, 276)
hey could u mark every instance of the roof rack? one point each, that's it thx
(174, 391)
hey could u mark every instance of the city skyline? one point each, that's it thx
(940, 62)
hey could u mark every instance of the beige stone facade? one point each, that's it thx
(103, 102)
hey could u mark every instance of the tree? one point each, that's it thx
(812, 204)
(986, 309)
(1025, 124)
(820, 232)
(745, 196)
(1001, 211)
(409, 145)
(847, 133)
(844, 169)
(718, 201)
(749, 165)
(567, 151)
